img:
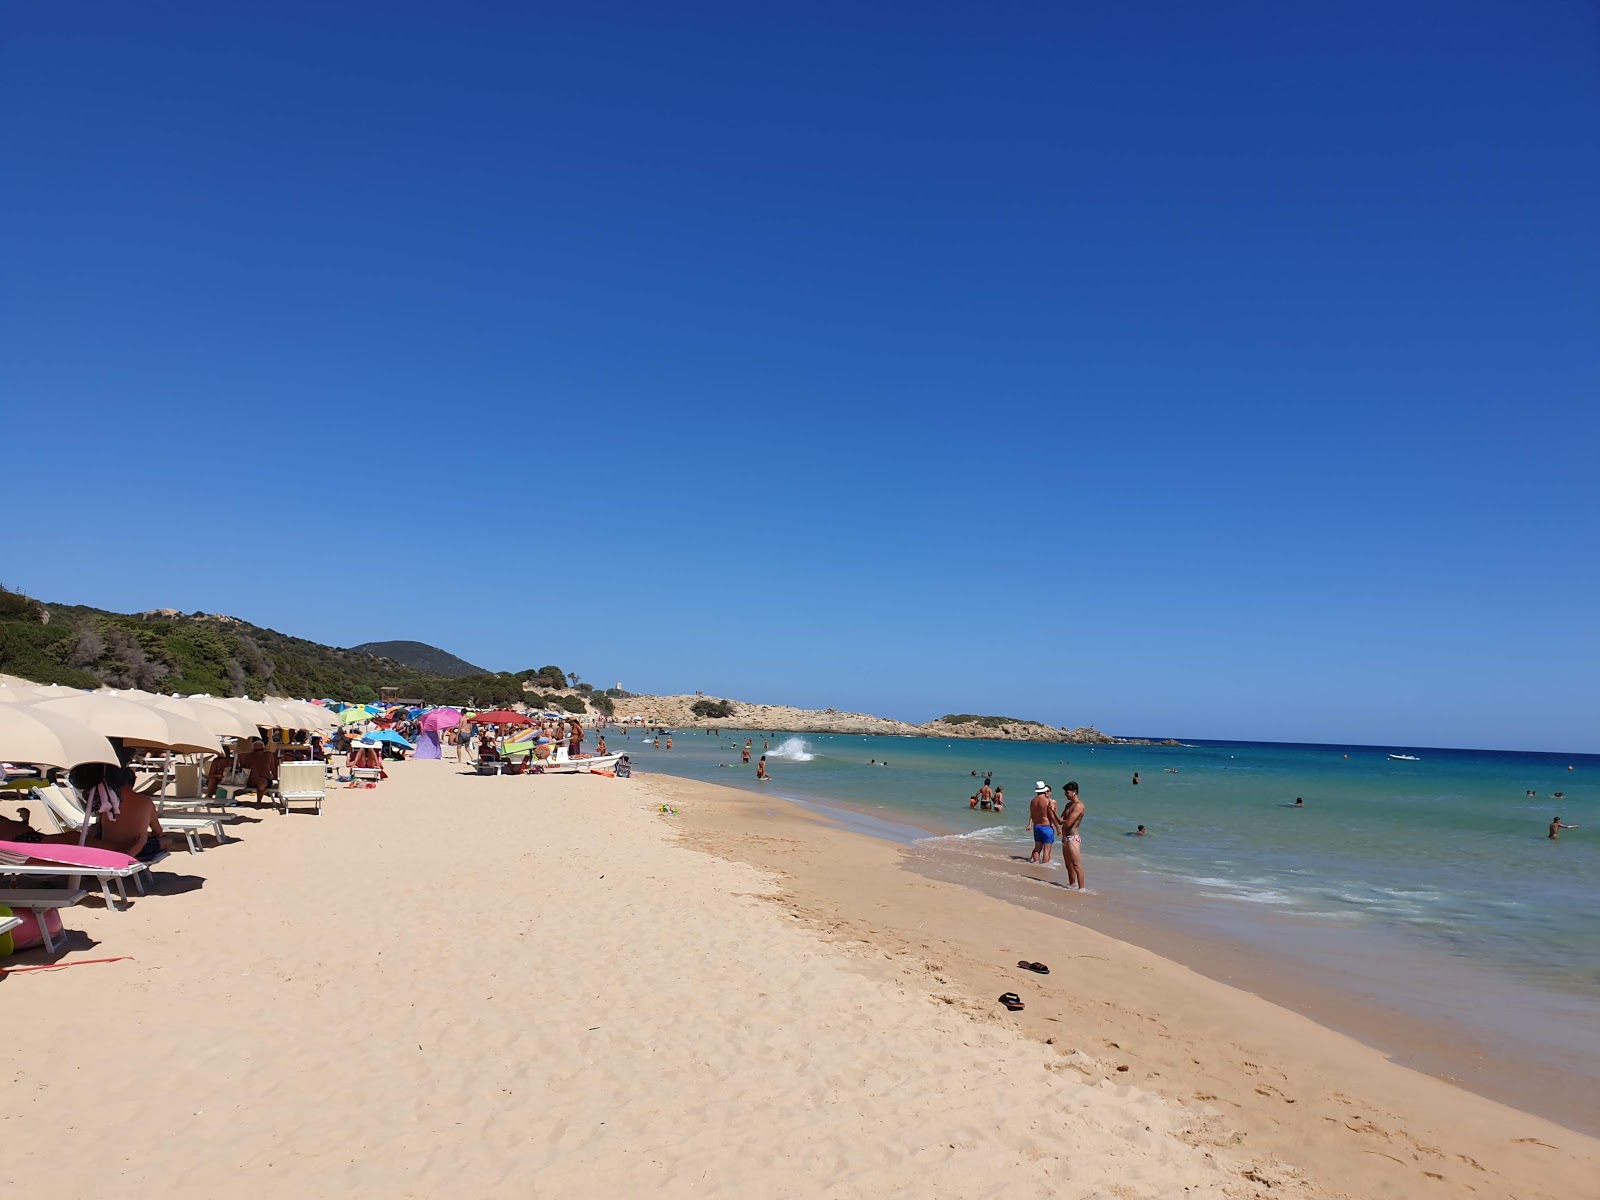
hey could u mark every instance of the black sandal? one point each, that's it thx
(1037, 968)
(1012, 1001)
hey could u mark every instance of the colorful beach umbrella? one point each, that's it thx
(502, 716)
(440, 718)
(390, 736)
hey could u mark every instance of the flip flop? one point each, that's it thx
(1039, 968)
(1012, 1001)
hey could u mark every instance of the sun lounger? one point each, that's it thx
(35, 860)
(302, 783)
(40, 901)
(64, 808)
(7, 924)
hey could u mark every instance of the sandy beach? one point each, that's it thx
(507, 986)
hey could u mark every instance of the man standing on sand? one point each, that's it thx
(1043, 817)
(574, 737)
(1071, 821)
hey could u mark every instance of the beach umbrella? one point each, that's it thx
(252, 710)
(388, 735)
(136, 724)
(30, 734)
(440, 718)
(224, 722)
(501, 716)
(354, 716)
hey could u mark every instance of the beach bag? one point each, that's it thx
(26, 936)
(622, 769)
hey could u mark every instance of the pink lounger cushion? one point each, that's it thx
(87, 857)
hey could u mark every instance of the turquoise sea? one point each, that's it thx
(1422, 884)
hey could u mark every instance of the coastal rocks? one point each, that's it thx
(678, 712)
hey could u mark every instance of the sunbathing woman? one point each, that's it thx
(126, 825)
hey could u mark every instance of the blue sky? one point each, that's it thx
(1220, 370)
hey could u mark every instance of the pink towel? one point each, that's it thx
(53, 853)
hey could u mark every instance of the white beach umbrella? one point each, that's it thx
(29, 734)
(224, 722)
(252, 710)
(136, 724)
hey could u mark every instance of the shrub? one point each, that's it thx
(717, 709)
(573, 704)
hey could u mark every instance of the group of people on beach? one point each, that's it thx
(1049, 821)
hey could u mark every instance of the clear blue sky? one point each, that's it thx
(1226, 370)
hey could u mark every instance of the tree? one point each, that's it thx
(717, 709)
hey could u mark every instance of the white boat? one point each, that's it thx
(1405, 758)
(579, 766)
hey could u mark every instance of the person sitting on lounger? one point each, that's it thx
(368, 759)
(127, 819)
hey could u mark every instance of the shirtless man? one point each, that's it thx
(985, 794)
(1043, 817)
(746, 756)
(1556, 827)
(262, 763)
(126, 831)
(1071, 821)
(575, 737)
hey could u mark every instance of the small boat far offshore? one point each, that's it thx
(1405, 758)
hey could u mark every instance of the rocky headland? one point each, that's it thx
(678, 712)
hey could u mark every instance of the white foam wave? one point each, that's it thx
(792, 749)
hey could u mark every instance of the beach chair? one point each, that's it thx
(302, 783)
(113, 870)
(63, 807)
(40, 901)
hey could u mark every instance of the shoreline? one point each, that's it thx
(1496, 1064)
(1336, 1106)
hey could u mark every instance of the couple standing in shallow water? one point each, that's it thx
(1047, 820)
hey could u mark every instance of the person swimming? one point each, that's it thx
(1299, 803)
(1139, 832)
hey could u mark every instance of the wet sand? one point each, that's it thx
(1333, 1111)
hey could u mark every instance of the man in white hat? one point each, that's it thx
(1043, 817)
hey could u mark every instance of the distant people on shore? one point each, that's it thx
(1071, 824)
(1042, 816)
(1556, 827)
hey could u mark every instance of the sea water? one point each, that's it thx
(1391, 867)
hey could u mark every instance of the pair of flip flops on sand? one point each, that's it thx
(1011, 1000)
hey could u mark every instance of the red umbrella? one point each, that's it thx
(501, 716)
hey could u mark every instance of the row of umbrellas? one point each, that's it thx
(59, 726)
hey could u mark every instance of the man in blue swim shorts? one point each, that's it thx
(1043, 817)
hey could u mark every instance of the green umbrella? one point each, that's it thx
(352, 715)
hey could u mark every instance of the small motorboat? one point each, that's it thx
(1405, 758)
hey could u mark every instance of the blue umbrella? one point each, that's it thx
(388, 735)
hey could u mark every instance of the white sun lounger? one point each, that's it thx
(40, 901)
(302, 783)
(63, 806)
(105, 876)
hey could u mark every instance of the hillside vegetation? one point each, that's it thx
(420, 656)
(168, 651)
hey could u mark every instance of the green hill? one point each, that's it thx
(421, 657)
(167, 651)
